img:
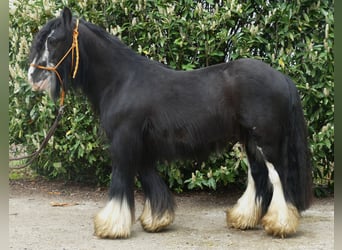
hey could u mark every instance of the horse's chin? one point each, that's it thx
(42, 85)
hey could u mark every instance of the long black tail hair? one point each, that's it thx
(299, 178)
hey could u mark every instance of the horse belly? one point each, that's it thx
(191, 140)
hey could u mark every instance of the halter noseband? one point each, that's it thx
(74, 47)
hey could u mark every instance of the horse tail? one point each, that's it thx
(299, 177)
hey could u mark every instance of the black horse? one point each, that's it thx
(150, 112)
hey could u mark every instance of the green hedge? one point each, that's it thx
(295, 37)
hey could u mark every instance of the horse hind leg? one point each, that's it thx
(279, 216)
(282, 216)
(159, 206)
(247, 212)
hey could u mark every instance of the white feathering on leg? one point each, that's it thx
(155, 223)
(247, 211)
(114, 220)
(281, 218)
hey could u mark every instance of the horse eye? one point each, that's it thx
(52, 40)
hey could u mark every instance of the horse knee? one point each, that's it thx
(114, 220)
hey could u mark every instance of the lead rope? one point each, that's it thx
(74, 46)
(42, 146)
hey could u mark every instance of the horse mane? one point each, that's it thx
(102, 33)
(118, 45)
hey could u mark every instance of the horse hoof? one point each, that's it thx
(236, 219)
(155, 223)
(114, 221)
(281, 224)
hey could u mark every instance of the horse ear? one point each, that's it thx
(66, 17)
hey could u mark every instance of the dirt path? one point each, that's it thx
(200, 222)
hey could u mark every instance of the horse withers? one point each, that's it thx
(150, 112)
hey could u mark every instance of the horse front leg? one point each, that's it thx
(116, 218)
(159, 204)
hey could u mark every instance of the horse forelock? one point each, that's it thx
(38, 44)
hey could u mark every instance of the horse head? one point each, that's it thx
(50, 57)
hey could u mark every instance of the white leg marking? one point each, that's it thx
(247, 211)
(281, 218)
(154, 223)
(114, 220)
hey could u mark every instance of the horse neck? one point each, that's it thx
(105, 63)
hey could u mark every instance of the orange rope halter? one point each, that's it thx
(74, 46)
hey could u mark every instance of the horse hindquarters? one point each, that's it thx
(279, 183)
(292, 179)
(265, 199)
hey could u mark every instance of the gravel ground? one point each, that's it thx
(200, 222)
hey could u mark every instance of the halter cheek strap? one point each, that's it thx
(74, 50)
